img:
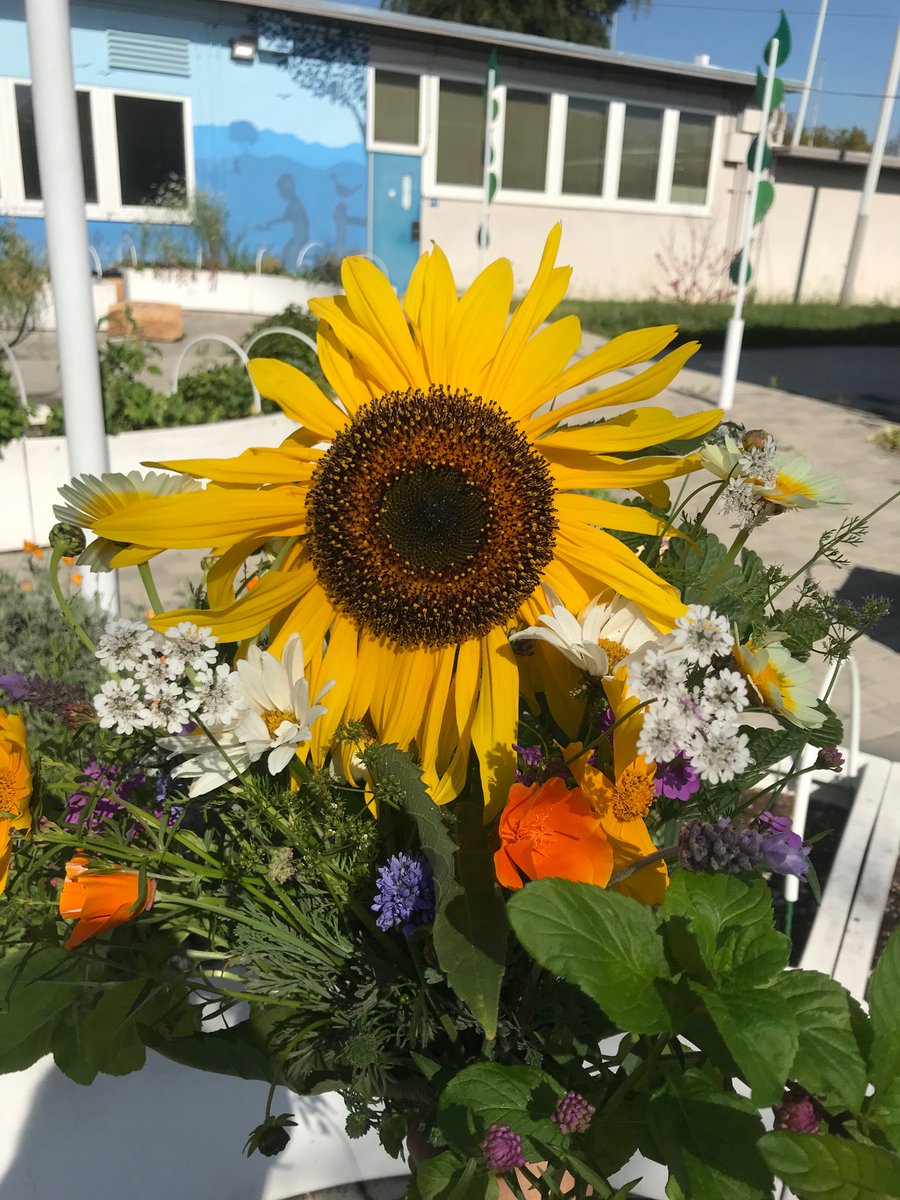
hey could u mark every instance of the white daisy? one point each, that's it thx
(218, 695)
(702, 635)
(277, 693)
(207, 764)
(121, 706)
(124, 644)
(189, 646)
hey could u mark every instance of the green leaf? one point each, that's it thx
(734, 270)
(521, 1097)
(832, 1167)
(783, 33)
(32, 1002)
(761, 1033)
(232, 1051)
(765, 198)
(109, 1035)
(733, 924)
(884, 1012)
(606, 944)
(766, 154)
(829, 1062)
(883, 1109)
(452, 1175)
(708, 1138)
(777, 90)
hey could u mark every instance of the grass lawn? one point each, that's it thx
(767, 325)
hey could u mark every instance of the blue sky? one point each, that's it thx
(855, 51)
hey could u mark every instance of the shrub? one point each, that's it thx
(21, 283)
(289, 349)
(13, 417)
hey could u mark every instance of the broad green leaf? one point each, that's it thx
(733, 924)
(708, 1139)
(521, 1097)
(110, 1041)
(777, 90)
(760, 1031)
(734, 270)
(883, 1109)
(884, 1011)
(765, 198)
(783, 33)
(451, 1175)
(606, 944)
(832, 1167)
(33, 999)
(766, 154)
(230, 1052)
(829, 1062)
(67, 1052)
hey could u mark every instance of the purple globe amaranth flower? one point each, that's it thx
(404, 894)
(677, 778)
(573, 1113)
(536, 765)
(830, 759)
(797, 1111)
(783, 850)
(502, 1148)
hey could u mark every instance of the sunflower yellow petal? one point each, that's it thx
(365, 678)
(633, 430)
(217, 516)
(453, 780)
(436, 712)
(337, 663)
(438, 306)
(371, 359)
(468, 669)
(570, 469)
(496, 719)
(340, 372)
(297, 396)
(626, 518)
(311, 617)
(405, 688)
(477, 326)
(259, 465)
(222, 574)
(132, 556)
(415, 290)
(245, 617)
(633, 390)
(543, 359)
(377, 310)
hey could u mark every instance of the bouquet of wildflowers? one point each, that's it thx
(456, 772)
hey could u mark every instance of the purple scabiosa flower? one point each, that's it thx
(405, 894)
(53, 696)
(830, 759)
(782, 849)
(502, 1148)
(719, 846)
(676, 779)
(106, 787)
(573, 1113)
(797, 1111)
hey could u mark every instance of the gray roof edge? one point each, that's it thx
(500, 38)
(826, 154)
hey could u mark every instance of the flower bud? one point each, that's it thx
(755, 439)
(69, 538)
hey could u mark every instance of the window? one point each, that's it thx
(693, 152)
(396, 105)
(640, 153)
(585, 151)
(28, 144)
(525, 141)
(460, 150)
(150, 138)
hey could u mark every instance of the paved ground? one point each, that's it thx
(834, 436)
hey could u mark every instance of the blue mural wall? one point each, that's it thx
(280, 142)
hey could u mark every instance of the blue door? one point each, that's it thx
(396, 206)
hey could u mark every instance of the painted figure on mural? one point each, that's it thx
(294, 215)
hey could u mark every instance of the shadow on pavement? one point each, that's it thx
(863, 582)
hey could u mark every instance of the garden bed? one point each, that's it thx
(219, 291)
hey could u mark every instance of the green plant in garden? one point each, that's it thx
(286, 348)
(13, 417)
(22, 281)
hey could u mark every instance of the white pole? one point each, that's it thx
(871, 180)
(810, 72)
(486, 165)
(62, 187)
(735, 333)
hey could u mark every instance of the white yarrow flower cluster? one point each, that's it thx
(187, 646)
(691, 709)
(124, 644)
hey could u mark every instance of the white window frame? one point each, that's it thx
(109, 206)
(383, 147)
(553, 195)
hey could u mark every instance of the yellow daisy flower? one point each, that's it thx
(797, 486)
(445, 496)
(780, 680)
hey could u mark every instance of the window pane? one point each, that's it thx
(28, 144)
(460, 156)
(150, 137)
(693, 152)
(585, 147)
(525, 141)
(396, 108)
(640, 153)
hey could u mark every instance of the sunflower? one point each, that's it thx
(421, 512)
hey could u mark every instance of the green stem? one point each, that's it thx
(607, 733)
(698, 524)
(648, 860)
(149, 583)
(64, 606)
(725, 565)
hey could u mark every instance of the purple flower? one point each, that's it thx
(797, 1111)
(405, 894)
(677, 779)
(50, 695)
(162, 789)
(830, 759)
(605, 720)
(719, 846)
(782, 849)
(573, 1113)
(536, 766)
(107, 788)
(502, 1148)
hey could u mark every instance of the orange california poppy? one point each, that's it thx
(549, 831)
(15, 787)
(76, 579)
(100, 900)
(33, 549)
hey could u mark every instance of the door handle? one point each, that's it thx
(415, 231)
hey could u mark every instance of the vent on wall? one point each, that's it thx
(148, 52)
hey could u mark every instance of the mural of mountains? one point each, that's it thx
(242, 137)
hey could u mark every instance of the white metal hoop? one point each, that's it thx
(256, 403)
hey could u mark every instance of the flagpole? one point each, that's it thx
(489, 117)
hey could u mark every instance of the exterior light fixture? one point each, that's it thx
(243, 49)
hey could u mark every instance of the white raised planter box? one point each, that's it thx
(32, 469)
(220, 291)
(104, 294)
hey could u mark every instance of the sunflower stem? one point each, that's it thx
(64, 606)
(149, 583)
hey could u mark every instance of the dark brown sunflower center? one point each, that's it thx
(431, 517)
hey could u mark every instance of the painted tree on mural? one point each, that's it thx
(324, 58)
(586, 21)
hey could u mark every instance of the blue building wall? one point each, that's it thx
(288, 164)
